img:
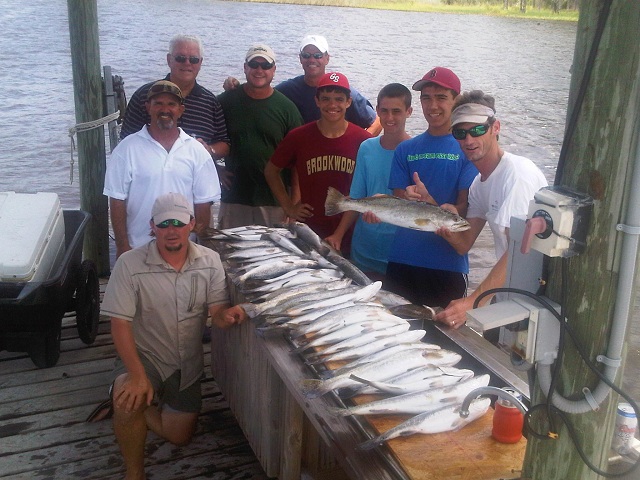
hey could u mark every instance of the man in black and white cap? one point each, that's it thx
(301, 90)
(504, 186)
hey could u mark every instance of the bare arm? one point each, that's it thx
(230, 83)
(375, 128)
(455, 315)
(462, 241)
(202, 212)
(298, 211)
(462, 202)
(137, 389)
(118, 210)
(335, 239)
(219, 150)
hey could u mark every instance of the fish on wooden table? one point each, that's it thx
(302, 292)
(417, 380)
(368, 348)
(397, 211)
(381, 370)
(359, 329)
(416, 402)
(275, 268)
(443, 419)
(379, 355)
(365, 338)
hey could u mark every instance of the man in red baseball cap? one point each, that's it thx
(422, 266)
(322, 154)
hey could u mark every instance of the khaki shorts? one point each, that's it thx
(168, 392)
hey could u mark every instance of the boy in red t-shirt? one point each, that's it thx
(322, 155)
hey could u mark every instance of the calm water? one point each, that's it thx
(524, 64)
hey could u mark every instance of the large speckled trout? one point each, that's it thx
(397, 211)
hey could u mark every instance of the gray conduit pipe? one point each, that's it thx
(624, 301)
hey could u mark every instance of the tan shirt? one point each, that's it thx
(168, 308)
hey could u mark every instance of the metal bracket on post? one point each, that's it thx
(629, 230)
(110, 105)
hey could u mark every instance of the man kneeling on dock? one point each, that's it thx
(158, 298)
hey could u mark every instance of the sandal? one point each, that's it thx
(101, 412)
(104, 410)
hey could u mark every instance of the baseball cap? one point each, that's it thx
(334, 79)
(171, 206)
(440, 76)
(471, 113)
(317, 41)
(260, 50)
(164, 86)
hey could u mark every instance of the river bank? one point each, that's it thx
(436, 6)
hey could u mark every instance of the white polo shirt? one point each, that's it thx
(140, 170)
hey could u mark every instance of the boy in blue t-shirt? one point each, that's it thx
(371, 242)
(422, 266)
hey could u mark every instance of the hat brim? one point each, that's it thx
(262, 55)
(469, 118)
(180, 216)
(420, 84)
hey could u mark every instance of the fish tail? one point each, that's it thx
(371, 444)
(311, 387)
(339, 412)
(332, 203)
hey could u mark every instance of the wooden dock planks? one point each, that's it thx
(43, 433)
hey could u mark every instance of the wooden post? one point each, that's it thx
(87, 84)
(600, 158)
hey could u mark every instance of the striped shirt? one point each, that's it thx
(202, 117)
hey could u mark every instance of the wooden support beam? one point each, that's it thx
(600, 156)
(88, 94)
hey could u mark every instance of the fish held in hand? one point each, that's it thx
(397, 211)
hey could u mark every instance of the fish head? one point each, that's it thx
(457, 224)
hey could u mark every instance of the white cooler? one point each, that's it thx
(31, 236)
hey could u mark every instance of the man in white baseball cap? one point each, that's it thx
(301, 90)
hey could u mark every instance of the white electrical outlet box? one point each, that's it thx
(566, 214)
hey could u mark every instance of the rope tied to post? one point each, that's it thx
(83, 127)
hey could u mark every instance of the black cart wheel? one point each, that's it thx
(88, 302)
(45, 350)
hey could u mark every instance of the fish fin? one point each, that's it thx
(449, 400)
(332, 203)
(362, 380)
(422, 222)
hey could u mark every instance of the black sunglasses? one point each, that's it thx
(477, 131)
(168, 223)
(184, 58)
(306, 55)
(263, 65)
